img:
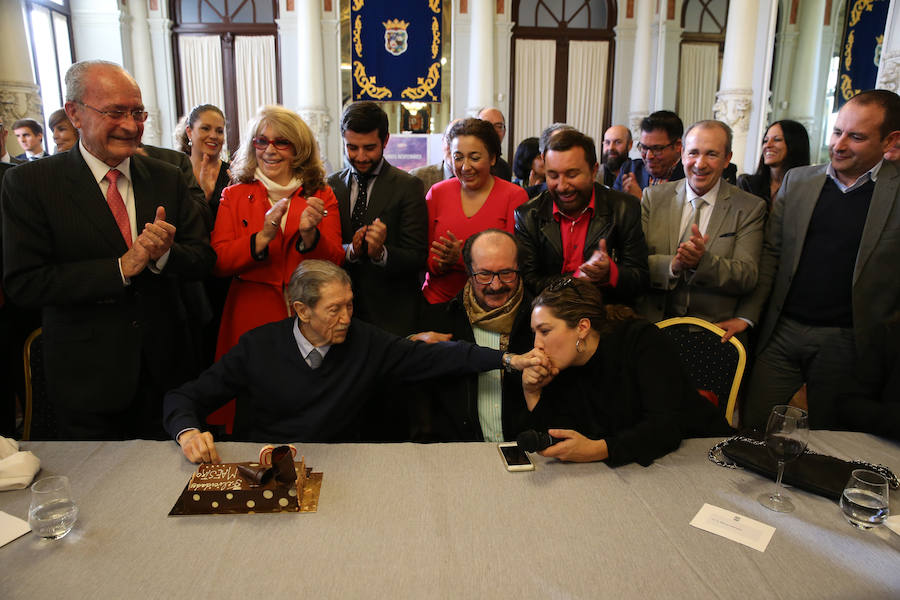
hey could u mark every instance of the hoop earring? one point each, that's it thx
(579, 345)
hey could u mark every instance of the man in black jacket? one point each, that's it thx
(493, 310)
(578, 227)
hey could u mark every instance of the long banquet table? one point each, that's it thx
(446, 521)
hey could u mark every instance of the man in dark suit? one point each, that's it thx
(383, 223)
(580, 227)
(829, 261)
(30, 135)
(99, 238)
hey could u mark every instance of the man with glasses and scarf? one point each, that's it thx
(494, 311)
(99, 238)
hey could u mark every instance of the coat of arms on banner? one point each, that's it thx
(395, 36)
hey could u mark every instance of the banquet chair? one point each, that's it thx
(40, 419)
(715, 368)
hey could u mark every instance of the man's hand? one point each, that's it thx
(536, 376)
(690, 252)
(596, 270)
(431, 337)
(446, 250)
(198, 447)
(532, 358)
(376, 234)
(135, 260)
(271, 226)
(574, 447)
(208, 174)
(732, 327)
(157, 236)
(630, 185)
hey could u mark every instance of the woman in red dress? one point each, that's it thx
(471, 202)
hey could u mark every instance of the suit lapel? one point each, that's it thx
(145, 201)
(343, 197)
(720, 210)
(804, 202)
(883, 200)
(380, 195)
(86, 194)
(676, 210)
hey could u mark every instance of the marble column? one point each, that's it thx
(142, 59)
(734, 100)
(311, 70)
(19, 97)
(481, 56)
(625, 32)
(802, 105)
(640, 72)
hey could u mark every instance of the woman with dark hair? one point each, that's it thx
(471, 202)
(616, 390)
(528, 164)
(201, 135)
(785, 146)
(64, 133)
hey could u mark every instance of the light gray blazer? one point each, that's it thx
(876, 276)
(429, 175)
(727, 271)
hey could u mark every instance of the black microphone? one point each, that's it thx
(535, 441)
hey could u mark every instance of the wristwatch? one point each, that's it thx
(507, 363)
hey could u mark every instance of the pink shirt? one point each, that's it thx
(445, 213)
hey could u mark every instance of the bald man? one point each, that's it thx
(614, 159)
(493, 116)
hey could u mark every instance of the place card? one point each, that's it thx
(733, 526)
(11, 528)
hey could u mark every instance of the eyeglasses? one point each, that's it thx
(654, 149)
(262, 142)
(487, 277)
(139, 114)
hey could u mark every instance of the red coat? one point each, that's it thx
(256, 295)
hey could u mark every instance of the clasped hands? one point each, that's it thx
(154, 241)
(690, 252)
(373, 237)
(446, 251)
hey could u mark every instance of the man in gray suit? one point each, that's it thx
(704, 235)
(431, 174)
(830, 262)
(384, 223)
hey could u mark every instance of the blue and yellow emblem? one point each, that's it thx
(860, 48)
(396, 50)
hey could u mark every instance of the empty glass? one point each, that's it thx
(53, 512)
(865, 499)
(786, 435)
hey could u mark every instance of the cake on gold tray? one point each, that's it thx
(276, 483)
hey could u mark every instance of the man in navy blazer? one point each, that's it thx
(828, 266)
(102, 254)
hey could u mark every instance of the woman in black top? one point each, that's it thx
(785, 146)
(616, 391)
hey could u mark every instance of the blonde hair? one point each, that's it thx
(287, 124)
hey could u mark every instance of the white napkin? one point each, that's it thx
(17, 469)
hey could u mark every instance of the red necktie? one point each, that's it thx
(117, 205)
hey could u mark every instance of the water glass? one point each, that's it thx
(865, 499)
(53, 512)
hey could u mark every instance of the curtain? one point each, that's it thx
(535, 72)
(201, 70)
(586, 97)
(254, 58)
(698, 82)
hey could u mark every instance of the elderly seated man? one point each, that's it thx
(306, 378)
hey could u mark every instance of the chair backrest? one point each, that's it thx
(40, 418)
(712, 365)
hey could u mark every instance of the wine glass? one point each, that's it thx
(786, 435)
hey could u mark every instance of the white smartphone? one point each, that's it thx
(514, 457)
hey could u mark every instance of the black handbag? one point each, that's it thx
(817, 473)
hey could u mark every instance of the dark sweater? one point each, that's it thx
(280, 398)
(633, 393)
(821, 291)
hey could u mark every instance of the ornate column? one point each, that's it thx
(734, 99)
(142, 59)
(160, 30)
(802, 105)
(311, 70)
(640, 72)
(19, 97)
(625, 32)
(481, 56)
